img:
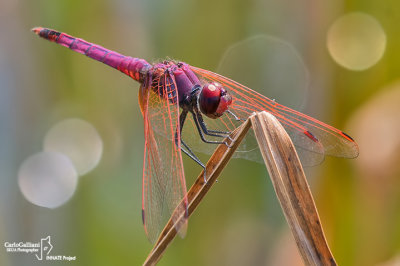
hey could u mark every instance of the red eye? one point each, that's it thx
(214, 100)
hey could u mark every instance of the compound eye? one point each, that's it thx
(214, 100)
(209, 99)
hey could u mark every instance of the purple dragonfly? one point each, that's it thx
(173, 94)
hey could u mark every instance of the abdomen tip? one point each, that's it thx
(36, 29)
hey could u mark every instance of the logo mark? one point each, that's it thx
(45, 246)
(41, 249)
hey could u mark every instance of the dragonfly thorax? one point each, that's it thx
(211, 98)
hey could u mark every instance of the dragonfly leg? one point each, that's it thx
(214, 133)
(201, 127)
(234, 116)
(221, 134)
(225, 133)
(187, 149)
(217, 131)
(192, 156)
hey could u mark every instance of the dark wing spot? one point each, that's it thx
(347, 136)
(143, 216)
(311, 136)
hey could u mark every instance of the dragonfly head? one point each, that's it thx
(214, 100)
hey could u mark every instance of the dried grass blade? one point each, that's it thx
(292, 189)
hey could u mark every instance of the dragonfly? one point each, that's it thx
(187, 109)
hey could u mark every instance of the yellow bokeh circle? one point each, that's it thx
(356, 41)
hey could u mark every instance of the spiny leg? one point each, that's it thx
(226, 132)
(191, 154)
(188, 151)
(234, 116)
(199, 127)
(214, 133)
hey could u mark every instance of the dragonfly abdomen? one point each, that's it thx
(133, 67)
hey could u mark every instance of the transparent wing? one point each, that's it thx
(163, 175)
(312, 138)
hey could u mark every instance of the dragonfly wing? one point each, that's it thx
(164, 185)
(313, 138)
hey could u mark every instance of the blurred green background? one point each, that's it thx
(240, 221)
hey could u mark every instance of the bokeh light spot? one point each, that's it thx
(356, 41)
(47, 179)
(78, 140)
(268, 65)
